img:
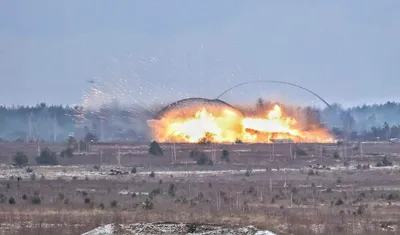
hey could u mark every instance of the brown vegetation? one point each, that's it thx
(348, 200)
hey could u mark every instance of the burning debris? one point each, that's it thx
(225, 124)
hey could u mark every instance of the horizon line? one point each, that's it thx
(81, 105)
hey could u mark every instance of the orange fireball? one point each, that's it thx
(223, 125)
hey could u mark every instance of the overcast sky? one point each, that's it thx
(347, 51)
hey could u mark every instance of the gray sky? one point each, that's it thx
(347, 51)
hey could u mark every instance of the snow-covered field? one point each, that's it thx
(88, 171)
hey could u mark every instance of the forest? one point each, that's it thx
(55, 123)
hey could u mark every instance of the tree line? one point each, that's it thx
(56, 122)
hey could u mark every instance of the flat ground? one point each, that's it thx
(312, 192)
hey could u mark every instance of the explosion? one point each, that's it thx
(223, 124)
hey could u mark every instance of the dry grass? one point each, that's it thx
(70, 222)
(297, 202)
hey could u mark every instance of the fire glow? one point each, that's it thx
(223, 125)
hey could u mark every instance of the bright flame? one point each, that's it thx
(228, 126)
(194, 129)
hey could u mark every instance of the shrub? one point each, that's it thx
(339, 202)
(68, 152)
(194, 153)
(29, 170)
(191, 228)
(3, 198)
(384, 162)
(225, 155)
(152, 174)
(365, 167)
(200, 157)
(300, 152)
(155, 149)
(171, 190)
(86, 200)
(248, 172)
(336, 155)
(24, 197)
(148, 204)
(83, 145)
(36, 200)
(392, 196)
(204, 160)
(84, 193)
(238, 141)
(11, 201)
(155, 192)
(251, 190)
(20, 159)
(71, 142)
(90, 137)
(61, 196)
(47, 158)
(361, 209)
(200, 196)
(101, 206)
(114, 203)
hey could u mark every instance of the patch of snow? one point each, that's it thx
(242, 150)
(126, 192)
(173, 229)
(264, 233)
(103, 230)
